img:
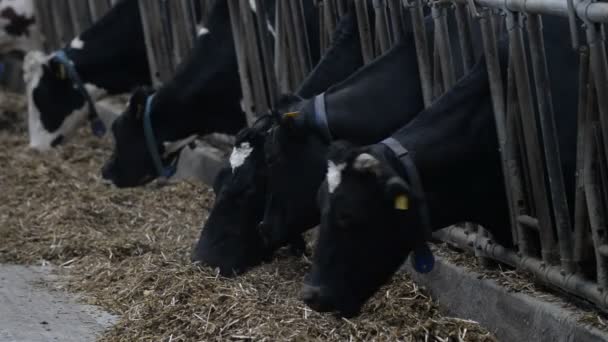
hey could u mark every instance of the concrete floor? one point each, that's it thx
(33, 308)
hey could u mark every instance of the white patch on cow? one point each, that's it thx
(40, 138)
(239, 155)
(271, 29)
(203, 31)
(252, 5)
(366, 162)
(334, 175)
(31, 39)
(77, 43)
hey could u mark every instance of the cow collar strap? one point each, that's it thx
(97, 126)
(152, 144)
(321, 116)
(422, 258)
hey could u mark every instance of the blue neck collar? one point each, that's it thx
(97, 126)
(152, 143)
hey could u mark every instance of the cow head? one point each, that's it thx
(131, 163)
(230, 239)
(296, 159)
(55, 106)
(368, 228)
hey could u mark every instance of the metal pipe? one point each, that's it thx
(444, 45)
(464, 37)
(255, 66)
(581, 220)
(557, 190)
(535, 160)
(551, 275)
(237, 35)
(267, 57)
(600, 74)
(367, 45)
(381, 25)
(394, 9)
(513, 183)
(529, 222)
(422, 50)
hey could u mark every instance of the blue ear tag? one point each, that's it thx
(169, 171)
(98, 128)
(2, 67)
(422, 259)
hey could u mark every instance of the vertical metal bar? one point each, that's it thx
(157, 45)
(535, 160)
(98, 8)
(267, 57)
(422, 51)
(464, 37)
(367, 44)
(237, 34)
(597, 219)
(581, 221)
(444, 45)
(599, 66)
(381, 25)
(557, 191)
(254, 61)
(511, 172)
(80, 14)
(291, 45)
(300, 42)
(394, 8)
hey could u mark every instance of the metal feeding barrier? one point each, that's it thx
(274, 56)
(61, 20)
(170, 29)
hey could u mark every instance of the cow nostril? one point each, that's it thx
(311, 295)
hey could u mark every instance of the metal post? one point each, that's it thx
(553, 164)
(267, 57)
(581, 220)
(444, 45)
(381, 25)
(422, 51)
(80, 14)
(464, 37)
(237, 34)
(599, 66)
(394, 8)
(534, 156)
(98, 8)
(367, 44)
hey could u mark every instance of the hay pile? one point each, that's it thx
(128, 251)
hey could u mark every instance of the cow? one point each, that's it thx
(380, 202)
(19, 31)
(107, 58)
(229, 239)
(368, 106)
(203, 97)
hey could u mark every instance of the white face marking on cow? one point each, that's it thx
(203, 31)
(77, 43)
(239, 155)
(334, 175)
(252, 5)
(40, 138)
(366, 162)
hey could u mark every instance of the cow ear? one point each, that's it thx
(366, 163)
(398, 193)
(58, 69)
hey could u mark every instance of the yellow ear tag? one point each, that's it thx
(291, 115)
(402, 202)
(62, 73)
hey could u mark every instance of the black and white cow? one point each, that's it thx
(371, 104)
(19, 31)
(379, 203)
(229, 239)
(108, 58)
(203, 97)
